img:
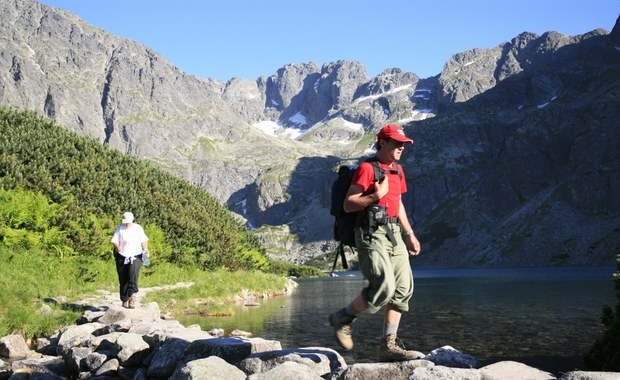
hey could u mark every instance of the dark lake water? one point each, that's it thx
(544, 317)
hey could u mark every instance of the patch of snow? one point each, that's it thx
(272, 128)
(547, 103)
(353, 126)
(274, 103)
(268, 127)
(406, 120)
(376, 96)
(292, 133)
(422, 114)
(417, 114)
(244, 204)
(423, 110)
(369, 152)
(298, 119)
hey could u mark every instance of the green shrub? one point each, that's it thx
(604, 355)
(28, 220)
(286, 268)
(83, 187)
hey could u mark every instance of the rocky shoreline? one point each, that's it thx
(111, 342)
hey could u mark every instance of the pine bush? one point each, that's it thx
(604, 355)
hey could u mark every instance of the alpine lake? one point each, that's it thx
(546, 318)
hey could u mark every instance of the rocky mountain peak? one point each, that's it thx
(615, 32)
(546, 103)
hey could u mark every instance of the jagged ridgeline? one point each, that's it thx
(93, 183)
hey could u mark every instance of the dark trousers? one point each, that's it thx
(127, 275)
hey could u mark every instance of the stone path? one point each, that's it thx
(106, 298)
(114, 342)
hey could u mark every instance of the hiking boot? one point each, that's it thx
(342, 328)
(132, 301)
(126, 304)
(392, 351)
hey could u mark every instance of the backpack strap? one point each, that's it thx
(380, 172)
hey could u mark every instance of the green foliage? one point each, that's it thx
(604, 355)
(215, 292)
(159, 249)
(28, 220)
(31, 220)
(26, 210)
(22, 319)
(325, 262)
(61, 197)
(206, 144)
(286, 268)
(95, 185)
(30, 277)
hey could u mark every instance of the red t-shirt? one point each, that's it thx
(364, 177)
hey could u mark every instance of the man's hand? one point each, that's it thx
(413, 245)
(382, 187)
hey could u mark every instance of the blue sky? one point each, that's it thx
(223, 39)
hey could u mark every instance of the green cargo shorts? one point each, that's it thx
(387, 269)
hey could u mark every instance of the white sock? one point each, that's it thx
(390, 329)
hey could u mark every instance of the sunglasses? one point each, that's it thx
(398, 144)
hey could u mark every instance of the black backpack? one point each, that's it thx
(344, 223)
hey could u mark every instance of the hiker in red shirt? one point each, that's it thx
(384, 240)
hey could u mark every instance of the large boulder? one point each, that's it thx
(13, 347)
(319, 361)
(510, 370)
(212, 367)
(372, 371)
(232, 350)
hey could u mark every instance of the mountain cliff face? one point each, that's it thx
(525, 171)
(515, 158)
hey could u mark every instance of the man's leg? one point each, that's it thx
(375, 265)
(342, 319)
(390, 349)
(132, 285)
(391, 320)
(123, 279)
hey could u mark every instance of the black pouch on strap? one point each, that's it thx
(374, 216)
(390, 235)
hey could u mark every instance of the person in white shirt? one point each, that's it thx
(130, 243)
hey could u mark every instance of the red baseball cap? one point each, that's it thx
(394, 132)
